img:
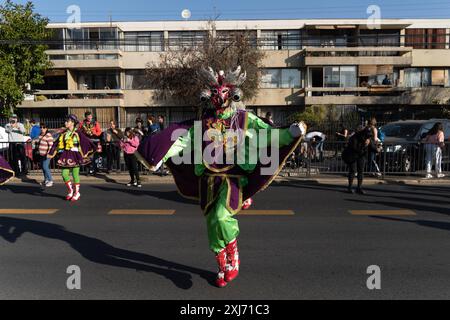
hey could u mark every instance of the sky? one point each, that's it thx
(144, 10)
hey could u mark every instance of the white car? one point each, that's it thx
(4, 145)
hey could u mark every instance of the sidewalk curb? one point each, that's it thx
(152, 179)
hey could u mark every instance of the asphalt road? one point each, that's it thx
(320, 252)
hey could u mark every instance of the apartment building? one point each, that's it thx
(404, 65)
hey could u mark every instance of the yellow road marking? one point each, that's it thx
(382, 212)
(142, 212)
(28, 211)
(267, 212)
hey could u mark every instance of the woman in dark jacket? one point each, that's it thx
(355, 156)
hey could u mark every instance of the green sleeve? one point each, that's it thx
(254, 122)
(181, 144)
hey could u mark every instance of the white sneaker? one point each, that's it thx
(441, 175)
(429, 176)
(49, 184)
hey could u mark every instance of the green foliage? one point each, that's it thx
(22, 55)
(312, 115)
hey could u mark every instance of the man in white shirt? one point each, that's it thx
(16, 132)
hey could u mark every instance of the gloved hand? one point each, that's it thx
(298, 129)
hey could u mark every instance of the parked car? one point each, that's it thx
(403, 150)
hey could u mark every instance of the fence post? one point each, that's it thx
(308, 162)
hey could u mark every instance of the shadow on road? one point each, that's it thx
(31, 190)
(165, 195)
(442, 225)
(98, 251)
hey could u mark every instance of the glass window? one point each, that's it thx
(280, 78)
(331, 77)
(343, 77)
(185, 39)
(348, 77)
(136, 79)
(290, 78)
(98, 80)
(270, 78)
(417, 77)
(280, 39)
(143, 41)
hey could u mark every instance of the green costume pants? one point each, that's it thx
(222, 227)
(75, 172)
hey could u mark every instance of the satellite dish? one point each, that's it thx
(186, 14)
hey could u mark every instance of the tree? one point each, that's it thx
(176, 76)
(22, 52)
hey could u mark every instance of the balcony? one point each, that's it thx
(378, 95)
(397, 56)
(86, 59)
(73, 99)
(356, 95)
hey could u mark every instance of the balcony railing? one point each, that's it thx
(288, 42)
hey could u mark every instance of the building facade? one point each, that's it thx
(402, 65)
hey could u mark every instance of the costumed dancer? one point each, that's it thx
(220, 187)
(6, 172)
(74, 150)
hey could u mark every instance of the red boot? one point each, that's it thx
(247, 204)
(222, 262)
(69, 190)
(232, 261)
(76, 194)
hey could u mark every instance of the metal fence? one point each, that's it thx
(406, 159)
(310, 159)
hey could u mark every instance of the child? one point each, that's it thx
(129, 144)
(74, 150)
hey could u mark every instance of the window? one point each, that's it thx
(425, 38)
(91, 38)
(136, 79)
(280, 78)
(144, 41)
(96, 80)
(185, 39)
(280, 39)
(343, 76)
(327, 38)
(417, 77)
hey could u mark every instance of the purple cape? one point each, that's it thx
(6, 173)
(155, 147)
(71, 158)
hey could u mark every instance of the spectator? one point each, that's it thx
(113, 146)
(341, 137)
(139, 129)
(161, 122)
(316, 140)
(269, 119)
(434, 143)
(93, 131)
(355, 155)
(153, 127)
(16, 132)
(35, 130)
(45, 144)
(386, 81)
(374, 148)
(129, 144)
